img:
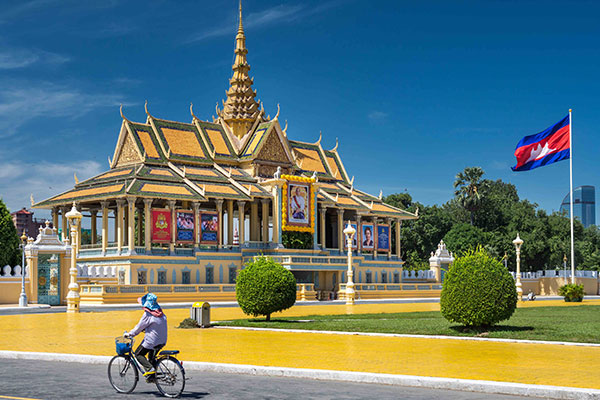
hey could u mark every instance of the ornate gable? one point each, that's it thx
(129, 153)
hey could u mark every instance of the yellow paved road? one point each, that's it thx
(93, 333)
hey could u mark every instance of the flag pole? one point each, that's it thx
(571, 196)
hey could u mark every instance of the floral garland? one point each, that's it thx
(284, 203)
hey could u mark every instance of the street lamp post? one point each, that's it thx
(74, 218)
(23, 296)
(350, 293)
(565, 267)
(518, 242)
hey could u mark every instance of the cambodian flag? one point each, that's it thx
(544, 148)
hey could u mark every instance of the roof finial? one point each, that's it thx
(146, 108)
(277, 115)
(192, 110)
(336, 145)
(122, 115)
(320, 137)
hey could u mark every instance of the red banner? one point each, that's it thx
(161, 226)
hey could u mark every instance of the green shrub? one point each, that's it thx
(478, 291)
(188, 323)
(572, 292)
(297, 240)
(264, 287)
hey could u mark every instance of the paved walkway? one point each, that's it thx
(544, 364)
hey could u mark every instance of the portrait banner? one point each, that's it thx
(366, 237)
(209, 228)
(161, 225)
(383, 237)
(297, 204)
(186, 226)
(354, 238)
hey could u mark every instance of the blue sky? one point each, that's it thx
(415, 91)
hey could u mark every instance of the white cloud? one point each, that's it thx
(45, 179)
(22, 58)
(377, 115)
(20, 104)
(271, 16)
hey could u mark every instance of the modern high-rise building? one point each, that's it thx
(584, 205)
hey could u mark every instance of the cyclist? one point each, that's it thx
(154, 325)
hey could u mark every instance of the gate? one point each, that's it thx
(49, 279)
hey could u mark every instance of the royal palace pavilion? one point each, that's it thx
(192, 202)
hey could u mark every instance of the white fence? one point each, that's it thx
(10, 272)
(554, 273)
(96, 271)
(421, 274)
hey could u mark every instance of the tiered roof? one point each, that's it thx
(202, 160)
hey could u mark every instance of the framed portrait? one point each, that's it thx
(354, 238)
(161, 225)
(383, 237)
(186, 226)
(367, 239)
(209, 228)
(298, 212)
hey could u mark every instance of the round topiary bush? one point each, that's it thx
(478, 291)
(264, 287)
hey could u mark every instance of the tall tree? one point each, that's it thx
(467, 188)
(9, 239)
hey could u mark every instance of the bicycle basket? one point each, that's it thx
(123, 345)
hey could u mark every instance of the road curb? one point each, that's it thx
(469, 385)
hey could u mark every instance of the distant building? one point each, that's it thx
(24, 221)
(584, 205)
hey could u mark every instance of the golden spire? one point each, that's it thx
(241, 109)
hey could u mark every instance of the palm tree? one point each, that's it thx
(468, 184)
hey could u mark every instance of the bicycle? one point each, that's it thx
(124, 370)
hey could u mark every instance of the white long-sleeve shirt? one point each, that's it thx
(155, 329)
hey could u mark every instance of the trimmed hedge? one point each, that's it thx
(478, 291)
(264, 287)
(572, 292)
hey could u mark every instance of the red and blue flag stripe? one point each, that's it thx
(547, 147)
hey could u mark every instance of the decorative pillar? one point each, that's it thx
(230, 222)
(219, 203)
(350, 293)
(358, 230)
(119, 224)
(322, 219)
(104, 205)
(131, 224)
(140, 228)
(254, 222)
(196, 207)
(374, 236)
(340, 225)
(147, 225)
(125, 226)
(265, 220)
(277, 215)
(116, 224)
(74, 217)
(55, 217)
(398, 246)
(64, 225)
(241, 222)
(94, 215)
(389, 252)
(172, 204)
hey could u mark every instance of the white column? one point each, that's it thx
(265, 220)
(94, 227)
(147, 225)
(104, 205)
(241, 221)
(119, 223)
(398, 246)
(322, 222)
(340, 224)
(254, 222)
(131, 224)
(173, 225)
(219, 203)
(230, 222)
(196, 207)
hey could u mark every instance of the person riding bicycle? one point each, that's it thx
(154, 325)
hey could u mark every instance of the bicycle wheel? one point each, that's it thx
(170, 377)
(122, 374)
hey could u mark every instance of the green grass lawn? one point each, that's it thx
(570, 324)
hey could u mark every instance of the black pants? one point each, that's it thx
(140, 355)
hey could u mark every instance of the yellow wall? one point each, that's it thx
(197, 271)
(10, 290)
